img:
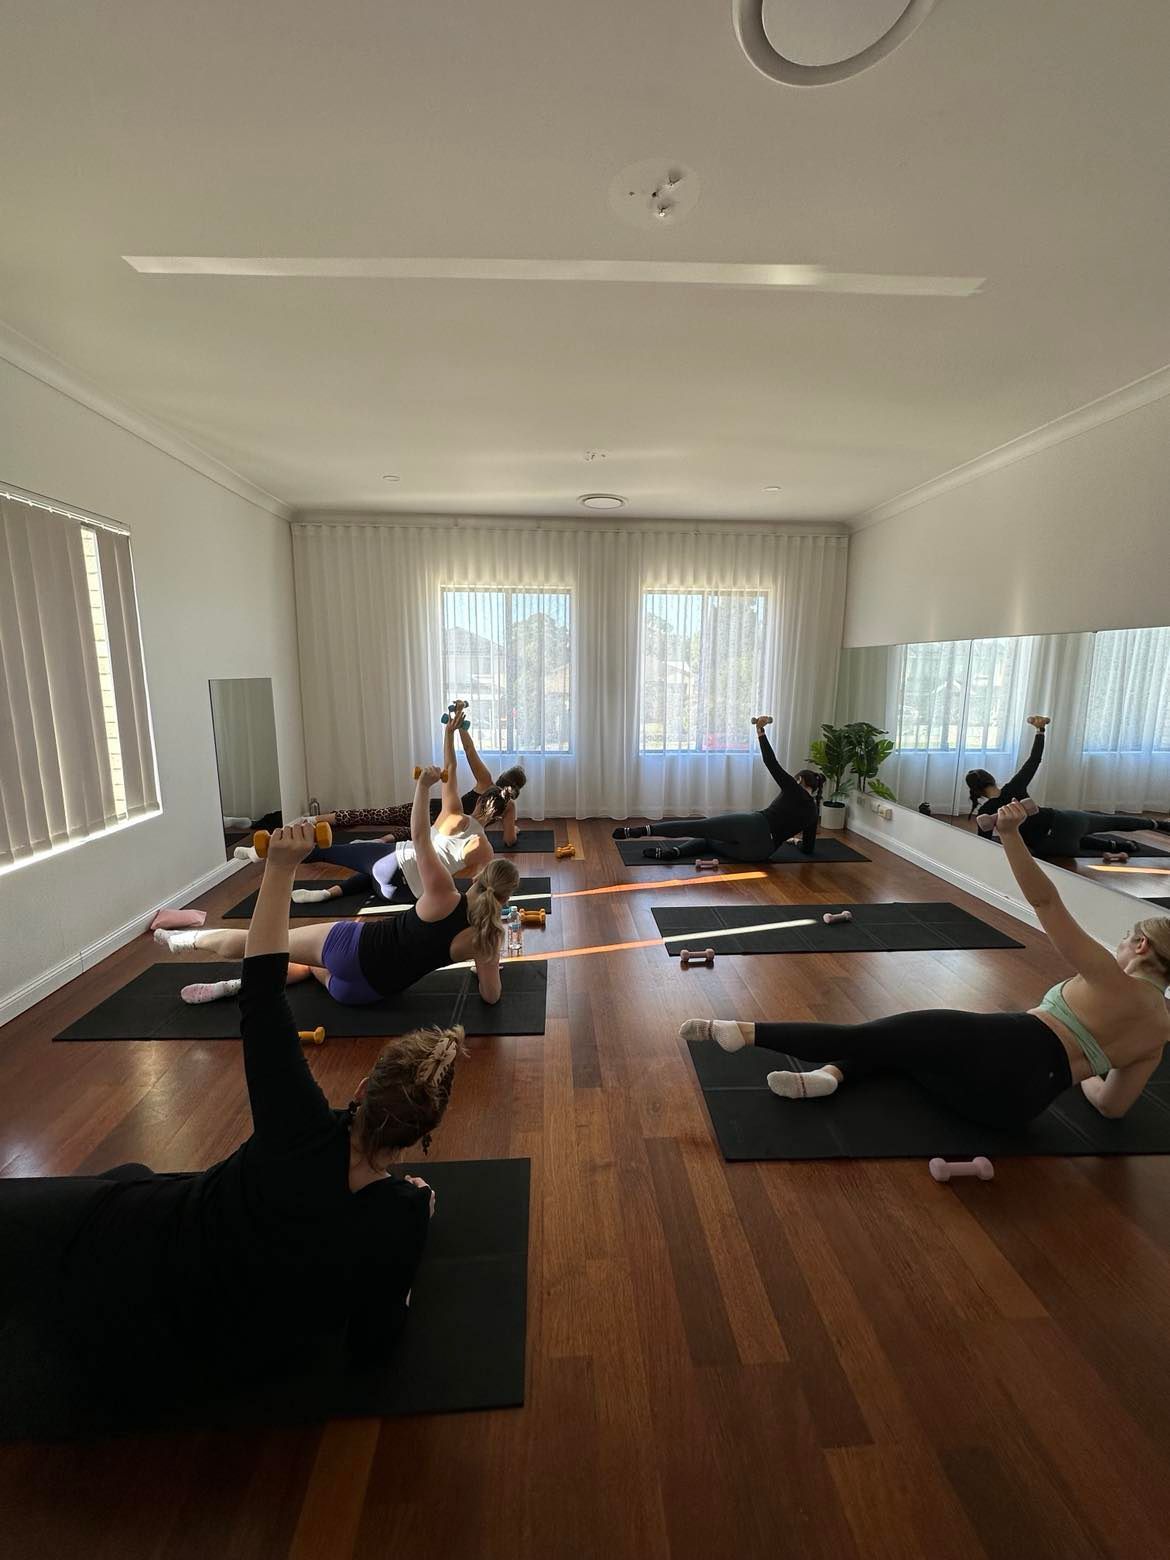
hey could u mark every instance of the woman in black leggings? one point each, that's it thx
(1104, 1029)
(1046, 831)
(745, 836)
(302, 1234)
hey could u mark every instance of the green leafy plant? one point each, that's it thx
(869, 747)
(850, 756)
(831, 753)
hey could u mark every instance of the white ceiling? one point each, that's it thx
(1023, 143)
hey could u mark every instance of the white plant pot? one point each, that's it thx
(832, 815)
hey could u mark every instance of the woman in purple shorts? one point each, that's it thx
(363, 961)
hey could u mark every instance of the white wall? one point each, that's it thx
(215, 593)
(1073, 536)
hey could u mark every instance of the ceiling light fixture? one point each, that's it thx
(751, 34)
(602, 501)
(773, 487)
(389, 476)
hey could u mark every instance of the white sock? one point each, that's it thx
(724, 1031)
(210, 991)
(245, 853)
(311, 896)
(177, 942)
(802, 1086)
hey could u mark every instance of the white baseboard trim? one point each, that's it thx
(970, 885)
(16, 1002)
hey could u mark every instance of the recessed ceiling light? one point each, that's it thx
(773, 487)
(602, 501)
(389, 476)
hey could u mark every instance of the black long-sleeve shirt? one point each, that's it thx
(1036, 828)
(794, 810)
(245, 1262)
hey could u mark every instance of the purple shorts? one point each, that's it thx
(340, 957)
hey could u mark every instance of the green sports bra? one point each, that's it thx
(1053, 1002)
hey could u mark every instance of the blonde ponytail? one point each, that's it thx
(1156, 931)
(494, 886)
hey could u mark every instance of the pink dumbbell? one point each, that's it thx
(831, 916)
(942, 1171)
(1121, 857)
(690, 956)
(707, 864)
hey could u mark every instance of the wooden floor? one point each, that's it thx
(829, 1360)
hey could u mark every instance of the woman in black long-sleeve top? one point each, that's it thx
(300, 1234)
(1046, 831)
(745, 836)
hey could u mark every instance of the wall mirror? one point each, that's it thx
(244, 723)
(951, 707)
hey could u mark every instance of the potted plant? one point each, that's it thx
(869, 747)
(832, 754)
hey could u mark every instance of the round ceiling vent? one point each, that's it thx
(602, 501)
(811, 43)
(654, 194)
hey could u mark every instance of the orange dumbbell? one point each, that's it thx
(442, 773)
(691, 956)
(322, 833)
(312, 1036)
(563, 852)
(532, 918)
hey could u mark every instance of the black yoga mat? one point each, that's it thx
(784, 855)
(149, 1007)
(881, 928)
(323, 910)
(531, 842)
(892, 1118)
(534, 893)
(462, 1347)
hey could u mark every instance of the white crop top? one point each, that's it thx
(449, 848)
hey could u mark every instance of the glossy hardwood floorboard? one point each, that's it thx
(824, 1361)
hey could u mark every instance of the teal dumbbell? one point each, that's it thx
(464, 725)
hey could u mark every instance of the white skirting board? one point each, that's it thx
(16, 1002)
(981, 869)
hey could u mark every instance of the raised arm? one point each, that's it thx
(439, 895)
(480, 771)
(287, 1105)
(452, 801)
(783, 779)
(1068, 937)
(1018, 785)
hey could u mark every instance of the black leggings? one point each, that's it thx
(1069, 828)
(741, 836)
(999, 1069)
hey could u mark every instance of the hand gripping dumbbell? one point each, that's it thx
(832, 916)
(322, 833)
(312, 1036)
(442, 773)
(690, 956)
(533, 918)
(942, 1171)
(464, 725)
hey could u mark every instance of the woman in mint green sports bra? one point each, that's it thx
(1104, 1028)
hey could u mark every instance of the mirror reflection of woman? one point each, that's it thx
(1046, 831)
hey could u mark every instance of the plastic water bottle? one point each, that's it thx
(511, 919)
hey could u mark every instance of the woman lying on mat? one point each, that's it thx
(302, 1233)
(1046, 831)
(490, 801)
(459, 840)
(1104, 1028)
(363, 961)
(749, 836)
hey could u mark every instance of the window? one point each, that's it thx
(76, 748)
(961, 695)
(701, 670)
(509, 653)
(1129, 692)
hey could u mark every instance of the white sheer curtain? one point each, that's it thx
(1126, 748)
(76, 753)
(549, 623)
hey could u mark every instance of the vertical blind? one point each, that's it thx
(76, 748)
